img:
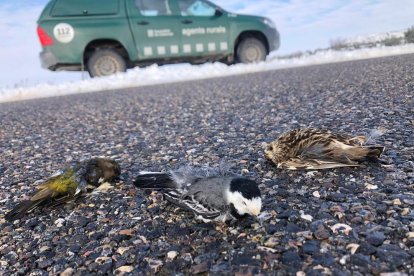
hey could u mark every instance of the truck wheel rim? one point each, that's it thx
(252, 54)
(107, 66)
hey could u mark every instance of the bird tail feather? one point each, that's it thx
(21, 209)
(374, 152)
(366, 153)
(154, 180)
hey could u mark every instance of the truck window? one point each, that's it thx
(196, 8)
(84, 7)
(153, 7)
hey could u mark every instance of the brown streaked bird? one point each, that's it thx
(314, 149)
(68, 183)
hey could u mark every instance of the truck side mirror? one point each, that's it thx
(218, 13)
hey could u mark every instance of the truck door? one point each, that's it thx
(155, 28)
(204, 28)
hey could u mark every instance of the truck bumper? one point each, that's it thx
(273, 38)
(48, 60)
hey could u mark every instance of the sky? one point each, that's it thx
(303, 25)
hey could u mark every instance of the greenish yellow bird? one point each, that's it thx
(68, 183)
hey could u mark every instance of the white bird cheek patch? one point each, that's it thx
(236, 199)
(254, 205)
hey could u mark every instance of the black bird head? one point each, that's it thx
(245, 196)
(99, 170)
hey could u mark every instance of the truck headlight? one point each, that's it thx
(269, 23)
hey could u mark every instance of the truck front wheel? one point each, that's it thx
(251, 50)
(105, 62)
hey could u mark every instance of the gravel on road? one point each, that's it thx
(347, 221)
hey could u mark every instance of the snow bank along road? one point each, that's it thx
(183, 72)
(342, 221)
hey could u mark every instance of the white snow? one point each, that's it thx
(184, 72)
(374, 38)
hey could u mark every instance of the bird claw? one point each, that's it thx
(263, 217)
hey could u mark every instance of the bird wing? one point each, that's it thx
(208, 194)
(193, 203)
(82, 187)
(203, 197)
(61, 200)
(80, 177)
(190, 174)
(43, 192)
(348, 152)
(322, 136)
(312, 164)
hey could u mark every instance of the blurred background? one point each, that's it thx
(303, 25)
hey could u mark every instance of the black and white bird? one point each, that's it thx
(314, 149)
(211, 194)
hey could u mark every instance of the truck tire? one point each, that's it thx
(251, 50)
(105, 62)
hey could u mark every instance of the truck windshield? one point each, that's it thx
(196, 8)
(153, 7)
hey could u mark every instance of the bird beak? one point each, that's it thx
(255, 212)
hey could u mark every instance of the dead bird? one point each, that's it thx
(314, 149)
(211, 194)
(68, 183)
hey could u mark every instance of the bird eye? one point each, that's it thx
(270, 147)
(245, 203)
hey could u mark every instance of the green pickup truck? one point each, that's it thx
(109, 36)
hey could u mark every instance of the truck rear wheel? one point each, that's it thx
(105, 62)
(251, 50)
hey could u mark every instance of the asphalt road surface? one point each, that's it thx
(349, 221)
